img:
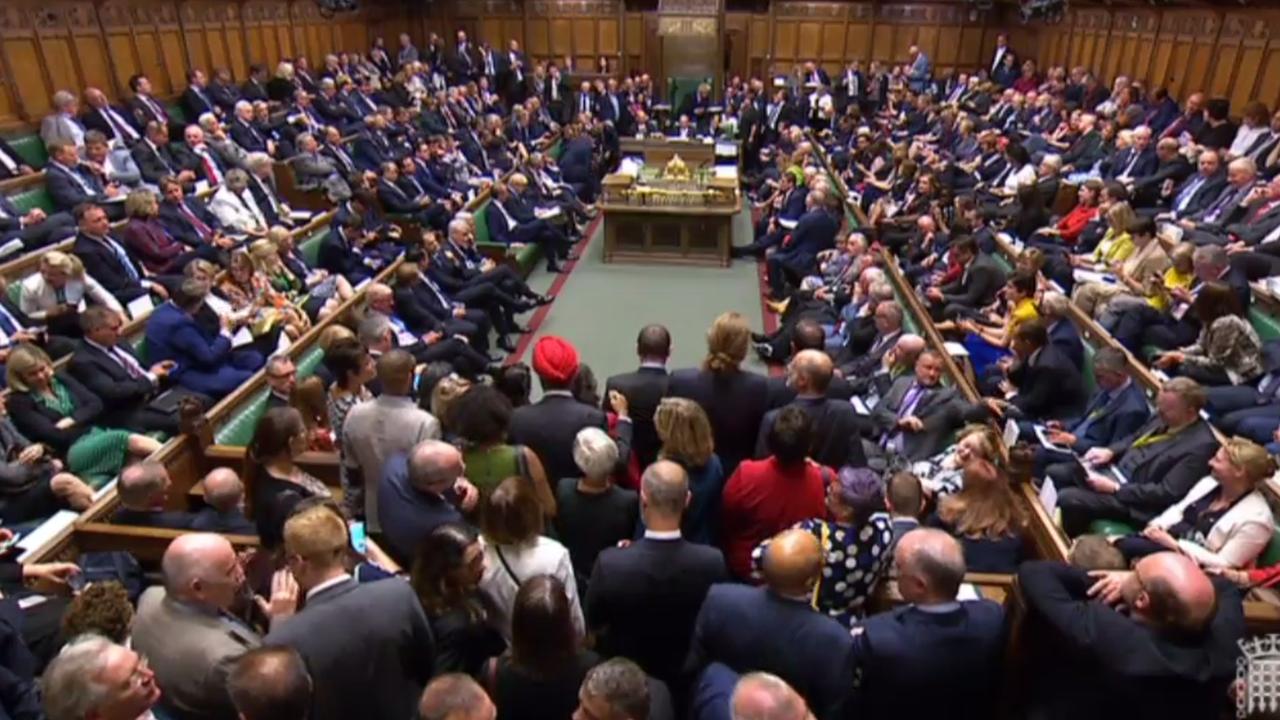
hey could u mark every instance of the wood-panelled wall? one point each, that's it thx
(47, 45)
(1224, 52)
(756, 43)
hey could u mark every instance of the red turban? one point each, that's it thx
(555, 360)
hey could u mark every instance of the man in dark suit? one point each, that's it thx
(115, 123)
(204, 360)
(550, 425)
(775, 629)
(585, 101)
(644, 389)
(977, 286)
(1157, 641)
(835, 423)
(380, 677)
(154, 158)
(1087, 149)
(807, 335)
(1170, 170)
(106, 260)
(340, 251)
(109, 369)
(917, 415)
(255, 87)
(31, 229)
(12, 164)
(1260, 220)
(421, 207)
(814, 232)
(223, 92)
(788, 205)
(1063, 334)
(1195, 192)
(146, 109)
(1137, 477)
(245, 133)
(196, 99)
(576, 165)
(144, 494)
(511, 221)
(70, 185)
(1229, 207)
(188, 220)
(1045, 384)
(643, 599)
(1115, 412)
(934, 656)
(223, 512)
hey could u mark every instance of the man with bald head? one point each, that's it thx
(835, 422)
(933, 656)
(186, 629)
(419, 491)
(116, 123)
(1155, 641)
(224, 505)
(454, 696)
(775, 628)
(642, 599)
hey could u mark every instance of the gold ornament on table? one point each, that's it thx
(676, 169)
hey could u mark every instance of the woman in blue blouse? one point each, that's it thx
(685, 434)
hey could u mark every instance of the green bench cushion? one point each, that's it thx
(310, 248)
(31, 149)
(178, 115)
(15, 290)
(1111, 527)
(1267, 325)
(1271, 554)
(482, 223)
(239, 430)
(36, 197)
(1090, 382)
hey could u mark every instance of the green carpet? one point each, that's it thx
(600, 307)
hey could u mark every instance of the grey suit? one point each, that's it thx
(368, 647)
(60, 128)
(228, 153)
(190, 650)
(939, 408)
(313, 171)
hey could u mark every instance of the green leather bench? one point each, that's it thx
(1090, 382)
(178, 115)
(36, 197)
(526, 259)
(310, 248)
(239, 430)
(1267, 325)
(31, 149)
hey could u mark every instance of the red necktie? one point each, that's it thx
(201, 229)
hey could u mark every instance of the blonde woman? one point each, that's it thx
(318, 282)
(1224, 521)
(56, 410)
(1116, 244)
(1145, 264)
(52, 296)
(1156, 292)
(265, 258)
(685, 434)
(250, 294)
(943, 474)
(733, 399)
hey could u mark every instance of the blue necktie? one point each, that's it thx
(1188, 192)
(7, 323)
(123, 257)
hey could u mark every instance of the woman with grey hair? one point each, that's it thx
(235, 207)
(854, 544)
(591, 512)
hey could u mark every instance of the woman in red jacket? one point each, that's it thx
(1068, 228)
(765, 497)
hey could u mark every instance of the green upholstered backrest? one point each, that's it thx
(1111, 527)
(554, 151)
(1003, 262)
(15, 290)
(1267, 325)
(482, 222)
(140, 348)
(310, 248)
(36, 197)
(31, 148)
(177, 114)
(1271, 554)
(1090, 382)
(239, 430)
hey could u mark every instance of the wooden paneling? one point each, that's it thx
(1223, 52)
(47, 45)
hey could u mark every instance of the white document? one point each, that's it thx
(299, 215)
(1010, 432)
(968, 591)
(1091, 276)
(788, 224)
(726, 172)
(546, 213)
(283, 343)
(1043, 436)
(80, 306)
(1119, 476)
(858, 406)
(202, 186)
(1049, 497)
(405, 337)
(242, 337)
(140, 306)
(955, 349)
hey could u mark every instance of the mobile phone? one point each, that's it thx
(359, 542)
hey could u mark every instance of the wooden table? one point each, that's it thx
(678, 234)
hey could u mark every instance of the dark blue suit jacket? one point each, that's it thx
(914, 663)
(751, 628)
(815, 232)
(65, 192)
(104, 266)
(1066, 338)
(203, 358)
(1119, 417)
(793, 207)
(575, 163)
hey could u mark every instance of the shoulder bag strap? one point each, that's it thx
(506, 566)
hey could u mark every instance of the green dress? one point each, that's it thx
(98, 455)
(487, 468)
